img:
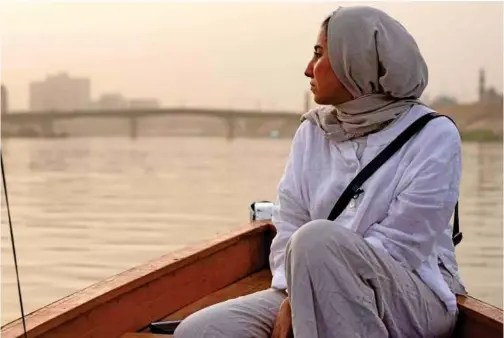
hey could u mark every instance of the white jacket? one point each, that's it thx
(406, 205)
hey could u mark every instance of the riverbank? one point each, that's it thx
(480, 136)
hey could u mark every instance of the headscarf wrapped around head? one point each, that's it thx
(379, 63)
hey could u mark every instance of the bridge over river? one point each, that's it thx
(153, 122)
(470, 118)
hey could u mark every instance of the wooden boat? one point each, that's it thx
(176, 285)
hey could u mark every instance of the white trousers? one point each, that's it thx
(339, 286)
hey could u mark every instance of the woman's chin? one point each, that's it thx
(320, 100)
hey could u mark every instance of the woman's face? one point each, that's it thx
(326, 87)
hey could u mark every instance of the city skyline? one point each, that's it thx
(116, 100)
(184, 57)
(64, 92)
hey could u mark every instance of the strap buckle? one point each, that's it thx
(457, 238)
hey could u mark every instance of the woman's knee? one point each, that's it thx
(193, 325)
(208, 322)
(240, 317)
(320, 235)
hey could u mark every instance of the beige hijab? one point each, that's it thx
(379, 63)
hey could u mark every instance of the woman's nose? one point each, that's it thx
(309, 70)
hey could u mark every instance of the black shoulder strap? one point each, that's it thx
(457, 235)
(353, 189)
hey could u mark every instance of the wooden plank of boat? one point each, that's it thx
(256, 282)
(131, 300)
(478, 319)
(178, 284)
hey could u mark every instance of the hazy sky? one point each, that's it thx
(230, 55)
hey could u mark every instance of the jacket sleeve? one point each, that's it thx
(427, 194)
(290, 211)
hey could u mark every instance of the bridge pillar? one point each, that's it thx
(133, 127)
(230, 126)
(46, 128)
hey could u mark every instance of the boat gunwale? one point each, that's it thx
(52, 315)
(480, 311)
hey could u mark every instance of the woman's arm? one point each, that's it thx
(429, 191)
(290, 211)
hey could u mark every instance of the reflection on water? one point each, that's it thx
(86, 209)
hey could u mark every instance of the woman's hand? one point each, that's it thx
(283, 322)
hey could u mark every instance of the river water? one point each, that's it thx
(85, 209)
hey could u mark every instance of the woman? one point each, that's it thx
(386, 266)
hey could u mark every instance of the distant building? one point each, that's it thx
(5, 100)
(60, 93)
(488, 96)
(482, 84)
(144, 104)
(484, 115)
(111, 101)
